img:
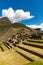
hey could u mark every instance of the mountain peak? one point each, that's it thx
(4, 21)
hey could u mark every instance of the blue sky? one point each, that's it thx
(35, 7)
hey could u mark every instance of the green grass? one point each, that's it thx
(35, 63)
(38, 40)
(19, 25)
(4, 63)
(3, 46)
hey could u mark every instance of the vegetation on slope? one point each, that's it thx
(35, 63)
(18, 25)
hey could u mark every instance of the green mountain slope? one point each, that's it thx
(18, 25)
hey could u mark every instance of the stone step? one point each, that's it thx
(30, 56)
(33, 45)
(7, 46)
(38, 50)
(33, 50)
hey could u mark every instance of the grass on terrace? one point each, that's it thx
(3, 46)
(38, 40)
(35, 63)
(12, 58)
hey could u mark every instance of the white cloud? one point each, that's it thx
(36, 26)
(15, 16)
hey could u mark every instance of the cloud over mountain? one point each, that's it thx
(36, 26)
(16, 15)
